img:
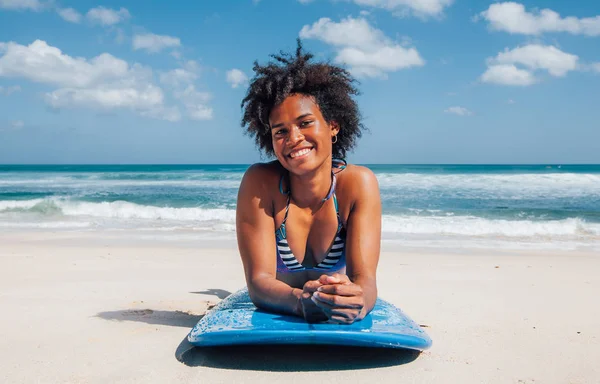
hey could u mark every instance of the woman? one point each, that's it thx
(308, 225)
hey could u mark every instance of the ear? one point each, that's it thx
(335, 128)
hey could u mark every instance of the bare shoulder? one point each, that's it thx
(358, 179)
(260, 174)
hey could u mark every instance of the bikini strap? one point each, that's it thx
(337, 213)
(335, 203)
(336, 163)
(341, 164)
(332, 188)
(287, 210)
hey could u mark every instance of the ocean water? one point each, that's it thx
(437, 205)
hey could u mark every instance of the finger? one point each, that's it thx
(341, 315)
(344, 279)
(337, 319)
(356, 302)
(326, 279)
(335, 278)
(341, 289)
(322, 304)
(311, 286)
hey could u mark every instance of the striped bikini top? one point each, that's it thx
(336, 257)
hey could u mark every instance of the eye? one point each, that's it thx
(280, 132)
(306, 123)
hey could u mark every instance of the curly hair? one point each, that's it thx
(332, 88)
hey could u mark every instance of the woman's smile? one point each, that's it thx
(300, 153)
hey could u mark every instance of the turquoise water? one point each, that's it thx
(515, 203)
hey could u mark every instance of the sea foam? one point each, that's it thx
(202, 218)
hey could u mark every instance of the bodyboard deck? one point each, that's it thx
(236, 320)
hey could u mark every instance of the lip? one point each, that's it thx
(299, 149)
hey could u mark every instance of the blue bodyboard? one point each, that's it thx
(236, 321)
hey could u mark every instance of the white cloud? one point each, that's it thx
(43, 63)
(305, 1)
(195, 103)
(508, 74)
(503, 69)
(105, 82)
(235, 77)
(12, 125)
(596, 67)
(21, 5)
(460, 111)
(17, 124)
(106, 16)
(366, 50)
(163, 113)
(183, 76)
(101, 82)
(70, 15)
(178, 77)
(535, 56)
(154, 43)
(117, 95)
(181, 83)
(510, 101)
(421, 8)
(348, 32)
(7, 91)
(513, 18)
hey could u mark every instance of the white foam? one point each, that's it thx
(19, 204)
(46, 225)
(130, 215)
(126, 210)
(121, 210)
(101, 181)
(494, 185)
(476, 226)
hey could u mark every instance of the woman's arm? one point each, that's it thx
(256, 242)
(363, 239)
(351, 298)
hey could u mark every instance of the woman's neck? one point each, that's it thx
(308, 191)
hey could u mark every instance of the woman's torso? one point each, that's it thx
(313, 237)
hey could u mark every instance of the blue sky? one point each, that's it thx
(442, 81)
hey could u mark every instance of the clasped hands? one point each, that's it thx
(332, 298)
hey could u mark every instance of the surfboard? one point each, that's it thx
(236, 321)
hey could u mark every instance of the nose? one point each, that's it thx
(295, 135)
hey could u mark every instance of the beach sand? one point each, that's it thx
(94, 307)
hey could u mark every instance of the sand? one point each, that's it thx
(95, 307)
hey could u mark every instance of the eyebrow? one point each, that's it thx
(297, 118)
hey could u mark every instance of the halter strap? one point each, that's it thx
(336, 163)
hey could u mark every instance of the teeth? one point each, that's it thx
(299, 153)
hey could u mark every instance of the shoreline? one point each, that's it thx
(227, 239)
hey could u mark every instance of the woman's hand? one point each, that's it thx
(339, 298)
(309, 310)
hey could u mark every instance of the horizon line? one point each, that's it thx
(244, 164)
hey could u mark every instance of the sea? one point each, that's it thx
(448, 206)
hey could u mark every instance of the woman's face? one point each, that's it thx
(301, 136)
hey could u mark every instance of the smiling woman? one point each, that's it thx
(308, 224)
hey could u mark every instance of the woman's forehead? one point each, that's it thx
(293, 106)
